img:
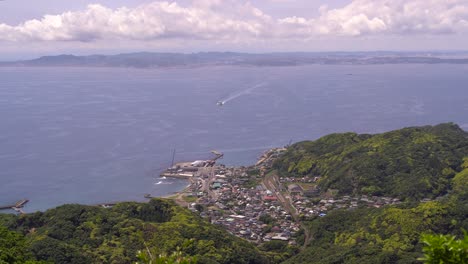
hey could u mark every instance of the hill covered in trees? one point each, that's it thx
(390, 234)
(88, 234)
(411, 163)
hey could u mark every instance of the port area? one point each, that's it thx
(188, 170)
(258, 204)
(182, 170)
(18, 206)
(240, 200)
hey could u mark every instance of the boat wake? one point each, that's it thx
(243, 92)
(163, 183)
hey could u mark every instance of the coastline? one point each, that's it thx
(202, 180)
(174, 195)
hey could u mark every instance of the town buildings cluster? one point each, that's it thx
(238, 202)
(238, 199)
(308, 201)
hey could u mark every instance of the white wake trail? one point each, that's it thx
(244, 92)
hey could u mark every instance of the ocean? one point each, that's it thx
(98, 135)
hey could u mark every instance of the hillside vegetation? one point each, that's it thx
(390, 234)
(86, 234)
(411, 163)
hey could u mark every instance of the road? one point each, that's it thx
(207, 182)
(272, 183)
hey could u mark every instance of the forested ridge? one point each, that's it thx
(382, 235)
(410, 163)
(89, 234)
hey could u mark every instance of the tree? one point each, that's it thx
(148, 257)
(13, 248)
(445, 249)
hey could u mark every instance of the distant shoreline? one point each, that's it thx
(150, 60)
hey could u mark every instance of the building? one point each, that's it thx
(312, 192)
(216, 185)
(295, 189)
(198, 163)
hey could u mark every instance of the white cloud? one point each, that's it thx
(397, 17)
(230, 21)
(146, 22)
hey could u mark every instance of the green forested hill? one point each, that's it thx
(411, 163)
(86, 234)
(386, 235)
(390, 235)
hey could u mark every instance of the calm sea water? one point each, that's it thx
(77, 135)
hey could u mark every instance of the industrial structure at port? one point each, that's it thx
(190, 169)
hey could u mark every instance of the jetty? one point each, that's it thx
(17, 206)
(269, 156)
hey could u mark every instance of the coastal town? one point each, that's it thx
(254, 203)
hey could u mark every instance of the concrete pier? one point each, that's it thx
(17, 206)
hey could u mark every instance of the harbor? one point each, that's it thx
(237, 199)
(188, 170)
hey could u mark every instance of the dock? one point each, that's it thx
(268, 156)
(17, 206)
(177, 175)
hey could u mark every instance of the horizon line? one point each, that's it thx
(85, 54)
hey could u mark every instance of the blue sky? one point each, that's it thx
(32, 28)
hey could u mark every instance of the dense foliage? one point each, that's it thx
(13, 248)
(411, 163)
(445, 249)
(149, 257)
(87, 234)
(390, 234)
(384, 235)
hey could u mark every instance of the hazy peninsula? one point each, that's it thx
(158, 60)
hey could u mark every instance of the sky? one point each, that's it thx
(31, 28)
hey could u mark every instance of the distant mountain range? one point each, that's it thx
(157, 60)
